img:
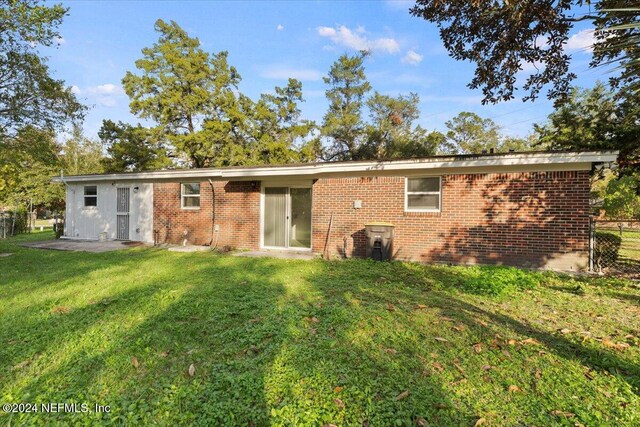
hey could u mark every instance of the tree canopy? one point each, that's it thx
(29, 95)
(595, 119)
(502, 37)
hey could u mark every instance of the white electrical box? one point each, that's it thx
(357, 204)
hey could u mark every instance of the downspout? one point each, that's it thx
(213, 215)
(64, 225)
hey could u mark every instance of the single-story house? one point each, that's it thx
(526, 209)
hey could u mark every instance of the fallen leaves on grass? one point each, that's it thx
(479, 422)
(134, 362)
(391, 307)
(22, 364)
(459, 327)
(338, 389)
(514, 389)
(192, 370)
(477, 347)
(420, 307)
(437, 366)
(615, 345)
(421, 422)
(565, 331)
(339, 403)
(402, 395)
(530, 341)
(460, 369)
(390, 351)
(60, 309)
(441, 339)
(563, 414)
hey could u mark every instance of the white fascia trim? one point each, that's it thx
(318, 169)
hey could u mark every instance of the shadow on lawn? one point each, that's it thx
(202, 320)
(247, 325)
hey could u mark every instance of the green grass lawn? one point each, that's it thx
(290, 342)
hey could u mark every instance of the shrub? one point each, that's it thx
(606, 248)
(497, 281)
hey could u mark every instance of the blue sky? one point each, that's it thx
(272, 40)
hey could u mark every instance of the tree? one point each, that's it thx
(512, 143)
(29, 96)
(470, 134)
(342, 124)
(621, 198)
(28, 160)
(132, 148)
(391, 132)
(80, 155)
(182, 88)
(595, 119)
(282, 129)
(501, 37)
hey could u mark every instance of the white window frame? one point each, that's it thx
(84, 197)
(406, 194)
(182, 196)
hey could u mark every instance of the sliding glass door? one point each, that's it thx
(287, 217)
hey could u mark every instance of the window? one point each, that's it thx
(190, 196)
(90, 196)
(423, 194)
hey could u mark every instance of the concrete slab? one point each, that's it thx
(189, 248)
(81, 245)
(276, 254)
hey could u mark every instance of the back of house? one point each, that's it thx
(523, 209)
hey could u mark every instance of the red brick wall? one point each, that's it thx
(536, 219)
(237, 212)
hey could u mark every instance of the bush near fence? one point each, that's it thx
(607, 249)
(12, 223)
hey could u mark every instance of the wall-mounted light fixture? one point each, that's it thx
(135, 189)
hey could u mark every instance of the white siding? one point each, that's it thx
(88, 222)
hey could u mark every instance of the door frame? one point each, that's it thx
(128, 213)
(288, 185)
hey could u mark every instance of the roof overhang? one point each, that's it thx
(438, 164)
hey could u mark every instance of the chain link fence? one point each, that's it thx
(615, 247)
(18, 222)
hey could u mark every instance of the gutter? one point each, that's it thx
(327, 168)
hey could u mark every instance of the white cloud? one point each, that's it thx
(280, 27)
(412, 57)
(357, 40)
(582, 40)
(105, 89)
(107, 101)
(284, 72)
(105, 95)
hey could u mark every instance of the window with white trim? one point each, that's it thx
(423, 194)
(190, 195)
(90, 196)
